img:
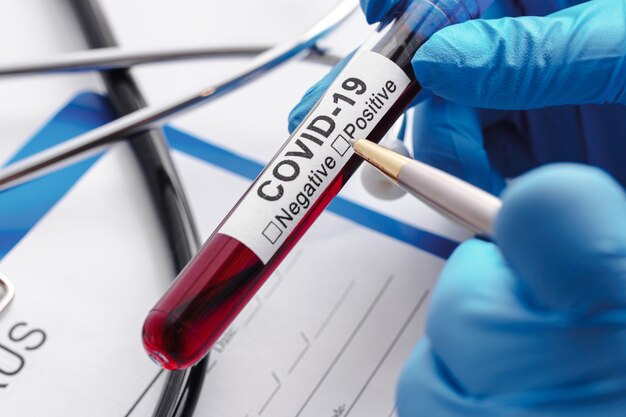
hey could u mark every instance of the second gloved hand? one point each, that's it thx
(536, 326)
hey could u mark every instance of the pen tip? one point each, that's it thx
(352, 142)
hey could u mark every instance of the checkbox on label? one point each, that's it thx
(341, 145)
(272, 232)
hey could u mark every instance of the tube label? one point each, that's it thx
(315, 154)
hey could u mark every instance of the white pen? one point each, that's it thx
(454, 198)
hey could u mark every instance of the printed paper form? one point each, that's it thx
(326, 336)
(90, 365)
(83, 277)
(328, 333)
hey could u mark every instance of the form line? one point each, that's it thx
(279, 280)
(347, 344)
(273, 393)
(143, 394)
(255, 311)
(301, 355)
(335, 308)
(389, 349)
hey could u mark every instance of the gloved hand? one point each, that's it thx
(558, 84)
(535, 326)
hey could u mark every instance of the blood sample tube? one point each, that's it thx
(364, 101)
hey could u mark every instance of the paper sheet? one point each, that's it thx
(327, 334)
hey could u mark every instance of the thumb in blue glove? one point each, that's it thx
(535, 326)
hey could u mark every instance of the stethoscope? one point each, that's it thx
(182, 389)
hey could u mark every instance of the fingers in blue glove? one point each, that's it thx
(480, 147)
(564, 232)
(510, 146)
(488, 346)
(574, 56)
(426, 390)
(376, 10)
(449, 136)
(313, 94)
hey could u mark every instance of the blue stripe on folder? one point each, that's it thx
(23, 206)
(247, 168)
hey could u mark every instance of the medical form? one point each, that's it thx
(326, 336)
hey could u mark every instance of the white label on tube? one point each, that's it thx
(317, 151)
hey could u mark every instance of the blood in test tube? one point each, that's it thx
(364, 101)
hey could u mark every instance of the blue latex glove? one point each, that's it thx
(550, 78)
(535, 326)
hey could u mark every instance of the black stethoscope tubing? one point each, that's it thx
(180, 393)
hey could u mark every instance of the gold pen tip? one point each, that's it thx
(387, 161)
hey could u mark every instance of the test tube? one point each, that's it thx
(364, 101)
